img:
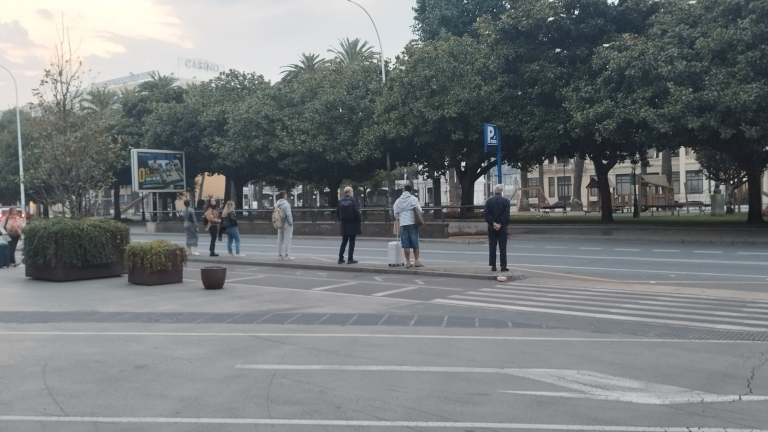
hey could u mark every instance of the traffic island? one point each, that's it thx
(324, 264)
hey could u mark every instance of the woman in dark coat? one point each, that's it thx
(348, 213)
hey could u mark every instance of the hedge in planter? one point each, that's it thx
(158, 262)
(74, 249)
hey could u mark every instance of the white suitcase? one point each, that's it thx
(396, 254)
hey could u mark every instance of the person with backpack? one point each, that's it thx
(348, 213)
(229, 218)
(11, 230)
(282, 220)
(212, 222)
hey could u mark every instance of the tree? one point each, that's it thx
(308, 64)
(99, 100)
(453, 17)
(69, 153)
(437, 99)
(351, 52)
(10, 191)
(723, 168)
(711, 54)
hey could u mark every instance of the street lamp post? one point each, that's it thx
(18, 135)
(384, 81)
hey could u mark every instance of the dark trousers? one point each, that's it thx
(12, 246)
(344, 240)
(214, 230)
(497, 237)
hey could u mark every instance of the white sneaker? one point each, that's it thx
(231, 255)
(196, 253)
(240, 255)
(289, 257)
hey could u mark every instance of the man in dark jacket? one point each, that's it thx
(348, 213)
(497, 215)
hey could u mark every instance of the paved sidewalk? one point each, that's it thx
(321, 263)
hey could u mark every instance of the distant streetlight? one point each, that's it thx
(383, 80)
(18, 134)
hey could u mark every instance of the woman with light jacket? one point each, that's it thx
(229, 219)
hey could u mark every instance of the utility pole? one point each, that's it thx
(18, 135)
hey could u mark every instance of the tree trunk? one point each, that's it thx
(437, 198)
(540, 194)
(116, 200)
(524, 184)
(754, 189)
(333, 192)
(200, 191)
(604, 187)
(227, 188)
(237, 192)
(453, 187)
(666, 167)
(578, 174)
(641, 191)
(46, 212)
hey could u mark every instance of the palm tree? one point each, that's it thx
(158, 82)
(352, 52)
(99, 100)
(307, 65)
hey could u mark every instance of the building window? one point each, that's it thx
(676, 181)
(551, 187)
(623, 184)
(564, 187)
(533, 182)
(694, 182)
(563, 161)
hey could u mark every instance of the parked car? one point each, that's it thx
(4, 212)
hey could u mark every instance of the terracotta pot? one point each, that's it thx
(213, 277)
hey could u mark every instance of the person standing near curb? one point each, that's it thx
(212, 222)
(190, 227)
(11, 229)
(284, 226)
(229, 215)
(348, 213)
(496, 214)
(409, 232)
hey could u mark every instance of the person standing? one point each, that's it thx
(348, 213)
(233, 234)
(285, 232)
(409, 232)
(212, 222)
(190, 227)
(496, 214)
(12, 228)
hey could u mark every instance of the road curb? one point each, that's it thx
(511, 276)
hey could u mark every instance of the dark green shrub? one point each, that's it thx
(153, 256)
(74, 242)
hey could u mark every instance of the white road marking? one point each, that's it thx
(377, 278)
(644, 271)
(598, 315)
(590, 248)
(378, 335)
(555, 247)
(365, 423)
(594, 385)
(708, 252)
(666, 250)
(333, 286)
(395, 291)
(245, 278)
(418, 282)
(752, 253)
(628, 250)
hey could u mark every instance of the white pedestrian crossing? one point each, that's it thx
(669, 309)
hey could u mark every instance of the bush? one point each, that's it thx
(74, 242)
(153, 256)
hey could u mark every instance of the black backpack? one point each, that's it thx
(347, 210)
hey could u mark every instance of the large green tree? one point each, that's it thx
(453, 17)
(10, 192)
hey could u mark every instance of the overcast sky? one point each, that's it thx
(116, 38)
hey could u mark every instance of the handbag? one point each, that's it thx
(418, 218)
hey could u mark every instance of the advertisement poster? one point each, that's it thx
(158, 171)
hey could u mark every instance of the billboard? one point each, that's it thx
(158, 171)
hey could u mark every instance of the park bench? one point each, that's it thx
(665, 208)
(547, 209)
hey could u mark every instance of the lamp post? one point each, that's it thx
(383, 81)
(18, 135)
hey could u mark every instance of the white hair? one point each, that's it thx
(498, 189)
(348, 190)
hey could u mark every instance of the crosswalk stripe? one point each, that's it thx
(660, 314)
(600, 315)
(607, 302)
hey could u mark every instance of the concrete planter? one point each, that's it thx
(213, 277)
(140, 276)
(66, 273)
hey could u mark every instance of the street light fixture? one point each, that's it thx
(384, 81)
(18, 134)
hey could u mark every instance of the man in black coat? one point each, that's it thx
(348, 213)
(497, 215)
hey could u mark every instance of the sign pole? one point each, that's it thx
(498, 162)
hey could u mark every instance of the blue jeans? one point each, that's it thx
(233, 234)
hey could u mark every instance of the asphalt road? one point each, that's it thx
(715, 266)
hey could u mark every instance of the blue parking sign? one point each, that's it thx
(492, 137)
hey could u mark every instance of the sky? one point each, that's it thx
(115, 38)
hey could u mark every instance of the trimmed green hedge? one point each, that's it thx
(73, 242)
(153, 256)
